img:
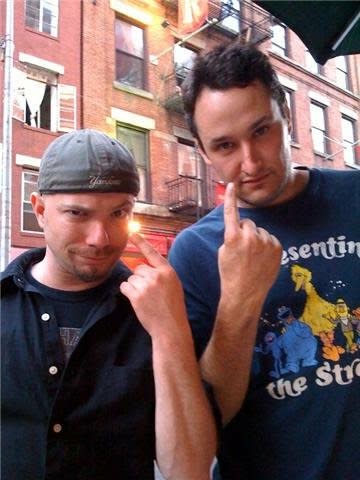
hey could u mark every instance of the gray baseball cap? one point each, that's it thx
(87, 161)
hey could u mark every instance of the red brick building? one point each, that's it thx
(116, 65)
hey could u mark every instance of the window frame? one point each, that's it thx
(144, 80)
(54, 12)
(144, 197)
(343, 72)
(290, 100)
(62, 103)
(353, 162)
(315, 128)
(279, 48)
(180, 68)
(311, 64)
(226, 24)
(28, 203)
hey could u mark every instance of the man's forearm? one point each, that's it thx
(226, 362)
(185, 427)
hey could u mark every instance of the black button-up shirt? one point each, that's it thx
(91, 418)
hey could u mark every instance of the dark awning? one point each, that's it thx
(327, 28)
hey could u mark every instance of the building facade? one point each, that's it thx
(117, 66)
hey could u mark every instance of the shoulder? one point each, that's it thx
(18, 266)
(207, 230)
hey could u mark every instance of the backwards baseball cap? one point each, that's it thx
(87, 161)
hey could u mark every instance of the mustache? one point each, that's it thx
(92, 252)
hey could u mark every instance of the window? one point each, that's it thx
(41, 102)
(129, 44)
(42, 15)
(342, 74)
(183, 60)
(136, 141)
(311, 63)
(187, 160)
(28, 219)
(318, 130)
(278, 42)
(289, 94)
(230, 12)
(348, 135)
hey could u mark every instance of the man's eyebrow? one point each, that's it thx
(227, 138)
(260, 121)
(85, 208)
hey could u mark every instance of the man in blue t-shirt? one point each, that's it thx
(282, 356)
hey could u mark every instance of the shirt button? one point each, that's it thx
(53, 370)
(45, 317)
(57, 428)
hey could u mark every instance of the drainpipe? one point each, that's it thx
(5, 170)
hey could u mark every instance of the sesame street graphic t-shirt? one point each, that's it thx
(301, 416)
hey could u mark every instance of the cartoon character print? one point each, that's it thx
(356, 323)
(345, 320)
(329, 350)
(294, 348)
(293, 342)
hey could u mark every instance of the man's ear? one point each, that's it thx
(38, 207)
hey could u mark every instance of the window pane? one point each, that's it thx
(341, 63)
(230, 9)
(183, 60)
(278, 35)
(289, 101)
(318, 140)
(348, 134)
(32, 13)
(278, 39)
(129, 70)
(29, 221)
(136, 142)
(342, 77)
(50, 16)
(187, 160)
(129, 38)
(317, 116)
(311, 63)
(129, 42)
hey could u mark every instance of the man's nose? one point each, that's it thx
(97, 235)
(250, 162)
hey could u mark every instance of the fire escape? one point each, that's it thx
(196, 195)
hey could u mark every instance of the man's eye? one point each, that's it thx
(261, 130)
(74, 213)
(225, 146)
(120, 213)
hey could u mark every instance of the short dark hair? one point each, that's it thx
(226, 66)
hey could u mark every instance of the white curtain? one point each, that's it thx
(34, 93)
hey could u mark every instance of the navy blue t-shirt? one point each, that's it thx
(301, 416)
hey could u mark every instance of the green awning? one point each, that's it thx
(327, 28)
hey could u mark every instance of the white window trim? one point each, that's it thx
(317, 97)
(26, 161)
(287, 83)
(41, 63)
(348, 113)
(134, 119)
(129, 11)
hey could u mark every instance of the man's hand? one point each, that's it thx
(249, 258)
(249, 261)
(155, 292)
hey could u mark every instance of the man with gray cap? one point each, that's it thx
(99, 376)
